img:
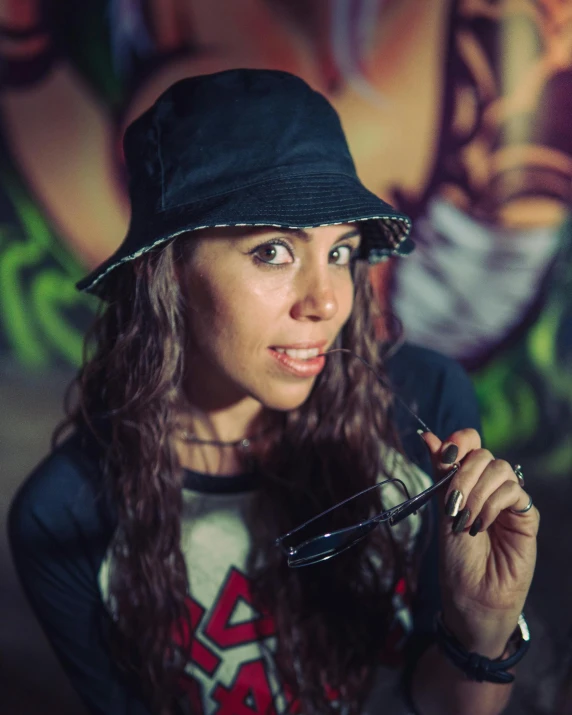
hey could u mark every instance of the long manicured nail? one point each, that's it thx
(461, 521)
(449, 454)
(476, 527)
(421, 431)
(453, 503)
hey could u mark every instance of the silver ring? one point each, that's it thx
(518, 471)
(528, 507)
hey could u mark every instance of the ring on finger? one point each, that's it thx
(519, 475)
(528, 507)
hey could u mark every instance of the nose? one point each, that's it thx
(316, 296)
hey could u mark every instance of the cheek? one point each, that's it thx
(207, 315)
(255, 310)
(229, 322)
(246, 324)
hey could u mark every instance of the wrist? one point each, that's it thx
(489, 639)
(477, 666)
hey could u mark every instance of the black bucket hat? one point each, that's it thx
(244, 147)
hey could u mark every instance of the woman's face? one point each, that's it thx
(263, 302)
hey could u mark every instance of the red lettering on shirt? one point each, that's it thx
(249, 693)
(200, 654)
(221, 631)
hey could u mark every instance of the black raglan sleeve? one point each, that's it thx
(58, 539)
(441, 393)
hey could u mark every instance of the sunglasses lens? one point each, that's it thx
(338, 529)
(328, 545)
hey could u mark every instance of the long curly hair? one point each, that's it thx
(332, 619)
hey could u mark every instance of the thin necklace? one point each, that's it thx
(243, 443)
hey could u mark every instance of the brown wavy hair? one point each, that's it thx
(331, 619)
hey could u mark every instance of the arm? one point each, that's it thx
(485, 576)
(487, 558)
(475, 603)
(439, 688)
(57, 541)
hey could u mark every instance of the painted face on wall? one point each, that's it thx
(263, 303)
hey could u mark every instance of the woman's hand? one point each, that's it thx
(487, 553)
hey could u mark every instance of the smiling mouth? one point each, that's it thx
(299, 353)
(303, 362)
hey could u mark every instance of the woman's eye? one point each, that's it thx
(341, 255)
(274, 254)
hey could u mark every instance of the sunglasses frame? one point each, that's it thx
(392, 516)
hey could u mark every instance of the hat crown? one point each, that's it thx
(243, 147)
(213, 134)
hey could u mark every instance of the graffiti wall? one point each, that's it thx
(459, 112)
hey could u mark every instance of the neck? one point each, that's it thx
(213, 407)
(232, 423)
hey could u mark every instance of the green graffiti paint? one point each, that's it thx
(54, 295)
(35, 294)
(16, 310)
(542, 344)
(559, 460)
(509, 405)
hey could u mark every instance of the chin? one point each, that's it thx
(286, 400)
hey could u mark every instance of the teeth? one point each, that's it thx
(300, 354)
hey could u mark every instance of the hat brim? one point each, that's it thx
(296, 202)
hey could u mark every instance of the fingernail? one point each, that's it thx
(476, 527)
(461, 521)
(449, 454)
(422, 431)
(453, 503)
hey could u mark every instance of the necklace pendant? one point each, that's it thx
(245, 443)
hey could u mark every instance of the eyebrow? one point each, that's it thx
(303, 234)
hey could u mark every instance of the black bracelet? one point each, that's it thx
(479, 667)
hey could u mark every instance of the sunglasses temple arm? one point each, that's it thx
(384, 384)
(402, 511)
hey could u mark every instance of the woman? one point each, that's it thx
(211, 420)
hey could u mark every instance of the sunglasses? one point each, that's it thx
(305, 552)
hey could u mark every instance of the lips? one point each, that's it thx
(300, 360)
(299, 353)
(307, 345)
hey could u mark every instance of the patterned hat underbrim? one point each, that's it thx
(385, 233)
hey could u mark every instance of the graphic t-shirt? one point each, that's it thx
(231, 669)
(61, 529)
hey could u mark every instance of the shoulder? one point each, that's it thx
(414, 365)
(61, 499)
(435, 385)
(59, 534)
(436, 388)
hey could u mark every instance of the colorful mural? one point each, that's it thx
(456, 110)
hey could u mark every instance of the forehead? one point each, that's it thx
(306, 234)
